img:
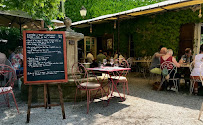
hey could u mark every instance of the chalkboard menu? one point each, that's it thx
(44, 57)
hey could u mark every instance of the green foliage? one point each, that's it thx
(46, 9)
(97, 8)
(149, 32)
(13, 36)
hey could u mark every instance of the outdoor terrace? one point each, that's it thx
(143, 106)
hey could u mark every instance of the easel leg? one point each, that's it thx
(29, 103)
(61, 100)
(45, 96)
(48, 94)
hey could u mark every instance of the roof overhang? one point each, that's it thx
(150, 9)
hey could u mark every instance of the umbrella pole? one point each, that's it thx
(20, 32)
(118, 36)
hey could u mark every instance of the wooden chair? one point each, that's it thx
(120, 77)
(130, 61)
(173, 69)
(80, 76)
(201, 78)
(5, 89)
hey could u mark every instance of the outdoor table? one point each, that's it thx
(142, 68)
(185, 65)
(142, 61)
(110, 71)
(184, 72)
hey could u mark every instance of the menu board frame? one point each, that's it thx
(25, 58)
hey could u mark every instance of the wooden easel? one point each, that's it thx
(47, 102)
(42, 81)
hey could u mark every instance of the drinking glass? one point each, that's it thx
(116, 65)
(184, 60)
(104, 62)
(111, 62)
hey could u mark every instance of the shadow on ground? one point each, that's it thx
(139, 87)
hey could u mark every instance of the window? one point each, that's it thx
(90, 43)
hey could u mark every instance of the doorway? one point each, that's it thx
(107, 43)
(186, 38)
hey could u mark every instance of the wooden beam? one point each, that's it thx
(146, 12)
(180, 5)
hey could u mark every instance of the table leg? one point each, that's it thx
(117, 90)
(114, 87)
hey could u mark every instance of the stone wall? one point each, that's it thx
(68, 89)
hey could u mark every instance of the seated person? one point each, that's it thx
(90, 57)
(2, 61)
(155, 64)
(11, 54)
(100, 57)
(17, 61)
(187, 57)
(2, 58)
(169, 57)
(107, 57)
(196, 70)
(19, 71)
(116, 56)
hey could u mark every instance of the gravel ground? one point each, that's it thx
(143, 106)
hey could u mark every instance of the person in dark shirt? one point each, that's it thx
(11, 54)
(100, 57)
(187, 57)
(155, 64)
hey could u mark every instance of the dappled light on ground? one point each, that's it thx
(143, 106)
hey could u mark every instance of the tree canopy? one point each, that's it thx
(45, 9)
(97, 8)
(51, 9)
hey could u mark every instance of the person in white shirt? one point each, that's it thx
(116, 56)
(90, 57)
(197, 70)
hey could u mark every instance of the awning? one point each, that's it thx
(3, 41)
(150, 9)
(20, 19)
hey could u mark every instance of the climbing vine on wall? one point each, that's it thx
(148, 31)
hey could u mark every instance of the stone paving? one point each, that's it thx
(143, 106)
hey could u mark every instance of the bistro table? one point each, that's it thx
(109, 71)
(142, 68)
(142, 61)
(185, 65)
(184, 72)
